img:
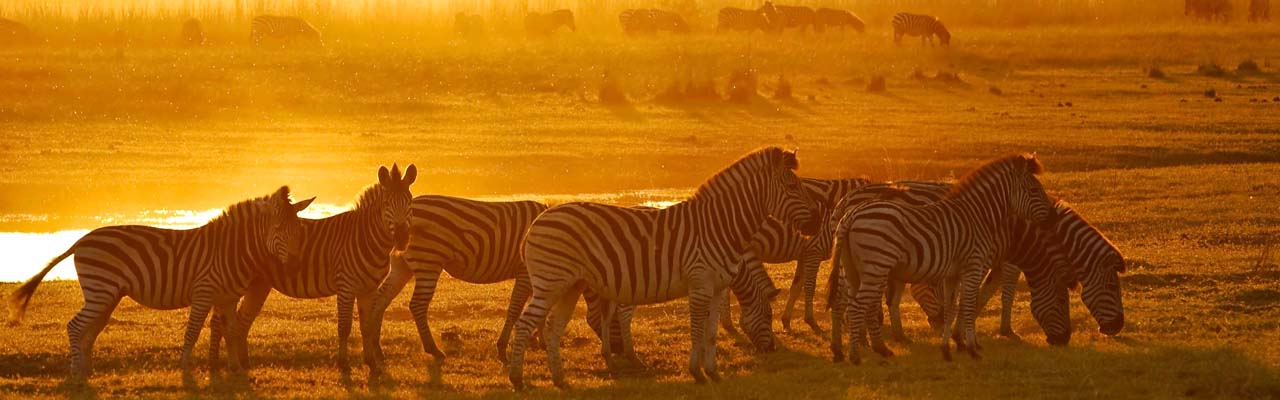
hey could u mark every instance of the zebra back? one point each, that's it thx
(476, 241)
(271, 27)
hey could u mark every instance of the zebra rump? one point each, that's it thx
(284, 30)
(652, 20)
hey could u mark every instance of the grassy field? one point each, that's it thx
(1187, 187)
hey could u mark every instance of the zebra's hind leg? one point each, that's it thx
(811, 289)
(423, 290)
(608, 310)
(83, 330)
(519, 296)
(247, 312)
(725, 316)
(553, 331)
(1009, 282)
(534, 315)
(895, 312)
(793, 295)
(234, 328)
(875, 331)
(624, 316)
(701, 300)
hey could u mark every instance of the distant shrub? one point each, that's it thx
(1248, 66)
(996, 91)
(783, 91)
(1211, 93)
(742, 86)
(1211, 69)
(1155, 72)
(877, 84)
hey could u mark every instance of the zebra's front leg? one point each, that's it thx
(398, 275)
(812, 264)
(346, 302)
(701, 298)
(970, 283)
(201, 303)
(624, 316)
(839, 306)
(608, 310)
(709, 339)
(793, 295)
(519, 296)
(875, 331)
(1009, 282)
(250, 307)
(234, 328)
(364, 306)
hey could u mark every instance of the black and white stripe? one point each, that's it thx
(765, 18)
(797, 17)
(836, 18)
(924, 26)
(272, 29)
(951, 242)
(345, 255)
(540, 24)
(202, 268)
(631, 256)
(650, 21)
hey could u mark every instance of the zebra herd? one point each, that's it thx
(945, 240)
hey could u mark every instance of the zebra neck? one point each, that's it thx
(983, 205)
(726, 215)
(243, 241)
(365, 225)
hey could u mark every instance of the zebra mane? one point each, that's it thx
(762, 158)
(1016, 163)
(250, 206)
(371, 196)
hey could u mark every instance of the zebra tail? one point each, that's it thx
(21, 297)
(842, 259)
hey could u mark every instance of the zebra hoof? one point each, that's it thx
(714, 376)
(837, 358)
(560, 384)
(883, 350)
(974, 353)
(698, 378)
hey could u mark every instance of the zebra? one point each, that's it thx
(924, 26)
(14, 33)
(953, 242)
(650, 21)
(474, 241)
(1208, 10)
(830, 17)
(283, 30)
(1094, 261)
(468, 25)
(1259, 10)
(165, 269)
(544, 24)
(799, 17)
(192, 33)
(633, 256)
(765, 18)
(345, 255)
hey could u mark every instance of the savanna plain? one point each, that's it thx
(1185, 182)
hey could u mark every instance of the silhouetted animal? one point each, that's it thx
(192, 33)
(924, 26)
(545, 24)
(1208, 10)
(283, 30)
(833, 18)
(765, 18)
(651, 20)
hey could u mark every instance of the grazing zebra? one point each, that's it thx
(924, 26)
(165, 269)
(475, 241)
(631, 256)
(833, 18)
(765, 19)
(14, 33)
(798, 17)
(192, 33)
(344, 255)
(283, 30)
(1259, 10)
(650, 21)
(1208, 10)
(953, 242)
(545, 24)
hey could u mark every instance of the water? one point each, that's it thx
(26, 253)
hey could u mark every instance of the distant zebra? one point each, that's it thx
(631, 256)
(14, 33)
(952, 242)
(468, 25)
(765, 18)
(282, 30)
(799, 17)
(475, 242)
(650, 21)
(924, 26)
(1208, 10)
(540, 24)
(192, 33)
(344, 255)
(833, 18)
(165, 269)
(1259, 10)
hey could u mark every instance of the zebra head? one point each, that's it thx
(1098, 265)
(396, 199)
(944, 35)
(788, 200)
(1027, 198)
(283, 230)
(1050, 284)
(755, 292)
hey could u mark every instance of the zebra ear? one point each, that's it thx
(302, 205)
(410, 175)
(384, 176)
(789, 159)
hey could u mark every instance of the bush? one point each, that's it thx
(1211, 70)
(742, 86)
(1248, 66)
(877, 84)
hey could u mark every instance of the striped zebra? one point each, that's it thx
(14, 33)
(953, 242)
(834, 18)
(765, 19)
(1208, 10)
(638, 257)
(1259, 10)
(650, 21)
(545, 24)
(282, 30)
(192, 33)
(345, 255)
(165, 269)
(799, 17)
(924, 26)
(475, 242)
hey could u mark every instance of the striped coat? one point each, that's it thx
(650, 21)
(345, 255)
(540, 24)
(834, 18)
(167, 269)
(765, 18)
(640, 257)
(924, 26)
(951, 242)
(271, 29)
(798, 17)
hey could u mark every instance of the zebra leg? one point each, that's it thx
(895, 312)
(970, 282)
(83, 330)
(725, 316)
(793, 295)
(838, 309)
(607, 309)
(701, 297)
(250, 307)
(519, 296)
(217, 326)
(423, 290)
(1007, 287)
(709, 340)
(812, 265)
(201, 303)
(534, 315)
(364, 306)
(227, 307)
(948, 314)
(554, 330)
(346, 301)
(623, 318)
(398, 275)
(875, 331)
